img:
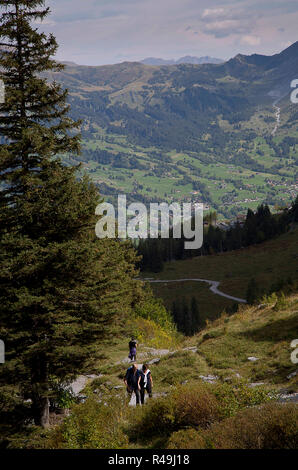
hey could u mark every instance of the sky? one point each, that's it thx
(98, 32)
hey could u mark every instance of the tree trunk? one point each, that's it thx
(40, 411)
(40, 387)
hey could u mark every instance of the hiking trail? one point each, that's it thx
(213, 286)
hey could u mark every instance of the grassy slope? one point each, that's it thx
(226, 343)
(267, 262)
(223, 350)
(265, 333)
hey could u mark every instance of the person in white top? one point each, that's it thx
(146, 383)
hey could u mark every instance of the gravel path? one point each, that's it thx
(213, 286)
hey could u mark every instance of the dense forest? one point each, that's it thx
(258, 227)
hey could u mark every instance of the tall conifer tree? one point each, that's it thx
(61, 289)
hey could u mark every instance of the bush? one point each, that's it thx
(156, 419)
(232, 398)
(195, 406)
(93, 425)
(63, 396)
(186, 439)
(281, 303)
(149, 332)
(187, 405)
(273, 426)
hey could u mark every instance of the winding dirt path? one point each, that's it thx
(213, 286)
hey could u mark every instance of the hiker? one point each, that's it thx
(132, 381)
(132, 349)
(146, 383)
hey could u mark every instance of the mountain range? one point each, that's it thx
(183, 60)
(159, 132)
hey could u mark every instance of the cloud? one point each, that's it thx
(101, 31)
(223, 22)
(207, 13)
(226, 28)
(251, 40)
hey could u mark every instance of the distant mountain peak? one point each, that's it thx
(183, 60)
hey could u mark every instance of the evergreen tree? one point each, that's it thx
(61, 289)
(175, 312)
(293, 212)
(195, 316)
(156, 259)
(252, 293)
(186, 320)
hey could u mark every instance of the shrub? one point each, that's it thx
(281, 303)
(93, 425)
(195, 406)
(187, 405)
(153, 309)
(63, 395)
(186, 439)
(156, 419)
(149, 332)
(273, 426)
(232, 398)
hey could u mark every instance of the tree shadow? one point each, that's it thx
(279, 330)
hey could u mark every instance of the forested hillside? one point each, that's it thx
(202, 132)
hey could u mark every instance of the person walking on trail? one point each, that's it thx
(146, 383)
(132, 381)
(133, 349)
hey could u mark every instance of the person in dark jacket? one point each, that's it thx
(132, 381)
(146, 383)
(133, 349)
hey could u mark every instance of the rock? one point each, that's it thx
(82, 398)
(93, 376)
(79, 384)
(209, 378)
(231, 378)
(117, 387)
(260, 306)
(125, 361)
(255, 384)
(162, 352)
(293, 374)
(191, 348)
(154, 361)
(184, 382)
(252, 358)
(288, 398)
